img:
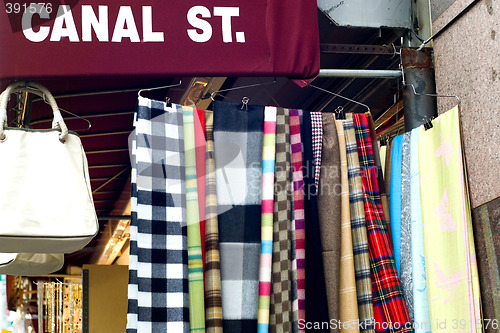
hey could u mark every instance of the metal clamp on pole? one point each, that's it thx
(418, 72)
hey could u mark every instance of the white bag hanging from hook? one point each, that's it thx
(30, 264)
(46, 203)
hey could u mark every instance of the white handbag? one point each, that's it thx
(30, 264)
(46, 203)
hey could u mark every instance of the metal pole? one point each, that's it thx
(360, 73)
(419, 80)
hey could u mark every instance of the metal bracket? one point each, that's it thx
(358, 49)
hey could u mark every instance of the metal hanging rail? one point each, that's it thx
(361, 73)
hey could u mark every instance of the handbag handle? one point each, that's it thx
(37, 89)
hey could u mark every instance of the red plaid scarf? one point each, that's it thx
(391, 313)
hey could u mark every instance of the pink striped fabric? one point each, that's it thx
(267, 209)
(298, 210)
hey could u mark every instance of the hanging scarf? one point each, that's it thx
(380, 171)
(406, 267)
(281, 314)
(383, 154)
(267, 205)
(452, 279)
(359, 232)
(298, 222)
(387, 175)
(329, 206)
(420, 299)
(396, 169)
(158, 237)
(388, 301)
(348, 309)
(238, 137)
(315, 289)
(199, 133)
(317, 143)
(213, 294)
(195, 260)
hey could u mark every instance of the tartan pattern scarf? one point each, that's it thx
(298, 222)
(267, 206)
(158, 272)
(238, 138)
(389, 304)
(359, 232)
(213, 294)
(195, 258)
(281, 314)
(348, 308)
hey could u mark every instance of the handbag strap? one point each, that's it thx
(37, 89)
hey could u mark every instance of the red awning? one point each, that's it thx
(159, 39)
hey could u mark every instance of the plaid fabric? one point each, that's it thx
(238, 139)
(158, 272)
(358, 229)
(195, 260)
(406, 236)
(267, 192)
(380, 173)
(317, 143)
(298, 263)
(281, 315)
(213, 294)
(391, 313)
(348, 308)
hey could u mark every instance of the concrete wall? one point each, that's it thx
(467, 62)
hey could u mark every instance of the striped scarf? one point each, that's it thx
(213, 294)
(195, 259)
(298, 221)
(267, 205)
